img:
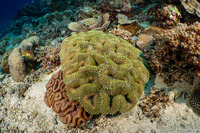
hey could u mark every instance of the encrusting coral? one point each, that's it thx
(103, 72)
(177, 49)
(69, 112)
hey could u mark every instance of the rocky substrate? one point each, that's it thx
(30, 114)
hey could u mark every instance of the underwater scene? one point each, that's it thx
(100, 66)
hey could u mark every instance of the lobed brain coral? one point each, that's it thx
(104, 73)
(69, 112)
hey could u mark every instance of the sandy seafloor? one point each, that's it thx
(30, 114)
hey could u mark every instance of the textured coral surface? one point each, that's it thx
(195, 98)
(69, 112)
(178, 48)
(104, 73)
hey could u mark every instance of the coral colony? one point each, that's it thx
(105, 53)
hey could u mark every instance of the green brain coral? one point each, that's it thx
(104, 73)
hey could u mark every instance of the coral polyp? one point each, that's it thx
(104, 73)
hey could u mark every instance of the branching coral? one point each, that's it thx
(69, 112)
(177, 49)
(153, 104)
(104, 73)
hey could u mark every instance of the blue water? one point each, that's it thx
(8, 10)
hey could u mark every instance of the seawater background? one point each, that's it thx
(8, 10)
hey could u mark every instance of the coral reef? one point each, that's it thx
(88, 24)
(103, 72)
(69, 112)
(4, 63)
(191, 6)
(116, 6)
(124, 34)
(61, 5)
(168, 16)
(153, 30)
(48, 56)
(130, 25)
(58, 16)
(153, 104)
(194, 99)
(86, 12)
(18, 57)
(33, 9)
(177, 50)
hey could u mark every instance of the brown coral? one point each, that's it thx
(153, 104)
(177, 49)
(69, 112)
(132, 26)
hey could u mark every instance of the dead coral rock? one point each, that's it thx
(194, 100)
(191, 6)
(144, 42)
(69, 112)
